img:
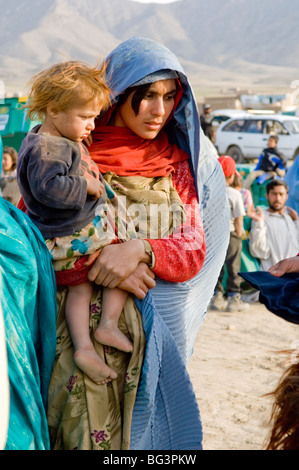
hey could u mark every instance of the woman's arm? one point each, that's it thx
(181, 256)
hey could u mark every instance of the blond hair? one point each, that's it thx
(64, 85)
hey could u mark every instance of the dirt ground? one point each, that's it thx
(236, 361)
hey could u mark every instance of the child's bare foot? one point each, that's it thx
(112, 336)
(92, 365)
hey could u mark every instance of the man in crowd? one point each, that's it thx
(205, 121)
(274, 233)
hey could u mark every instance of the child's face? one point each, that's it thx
(271, 143)
(7, 162)
(77, 122)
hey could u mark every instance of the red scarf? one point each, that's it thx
(121, 151)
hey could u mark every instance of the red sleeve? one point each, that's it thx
(180, 256)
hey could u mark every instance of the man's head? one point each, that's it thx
(277, 195)
(207, 109)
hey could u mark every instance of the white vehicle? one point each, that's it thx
(220, 115)
(244, 137)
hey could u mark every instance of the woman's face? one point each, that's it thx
(155, 108)
(7, 161)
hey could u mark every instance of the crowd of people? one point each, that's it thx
(273, 228)
(128, 226)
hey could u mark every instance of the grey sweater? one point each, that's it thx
(50, 176)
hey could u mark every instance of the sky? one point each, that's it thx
(155, 1)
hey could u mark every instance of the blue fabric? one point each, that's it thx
(166, 415)
(28, 300)
(279, 294)
(292, 180)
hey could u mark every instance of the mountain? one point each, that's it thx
(220, 43)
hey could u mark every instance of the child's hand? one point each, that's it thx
(95, 187)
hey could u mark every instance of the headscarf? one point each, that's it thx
(121, 151)
(140, 60)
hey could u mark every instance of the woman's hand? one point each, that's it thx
(288, 265)
(116, 263)
(139, 282)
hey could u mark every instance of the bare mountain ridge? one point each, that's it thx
(236, 41)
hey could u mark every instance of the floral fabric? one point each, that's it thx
(81, 414)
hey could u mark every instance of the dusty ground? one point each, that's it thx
(235, 363)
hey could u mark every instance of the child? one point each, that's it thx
(271, 161)
(246, 193)
(63, 191)
(271, 164)
(233, 255)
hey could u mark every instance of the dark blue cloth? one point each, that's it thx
(279, 294)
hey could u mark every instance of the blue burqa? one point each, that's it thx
(166, 414)
(28, 301)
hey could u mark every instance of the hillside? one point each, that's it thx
(226, 44)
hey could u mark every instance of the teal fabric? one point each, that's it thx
(28, 299)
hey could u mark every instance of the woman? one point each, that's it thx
(142, 409)
(8, 184)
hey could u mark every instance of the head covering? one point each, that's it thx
(140, 60)
(121, 151)
(228, 165)
(157, 76)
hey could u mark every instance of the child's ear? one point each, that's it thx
(52, 110)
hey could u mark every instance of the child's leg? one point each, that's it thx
(108, 333)
(77, 318)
